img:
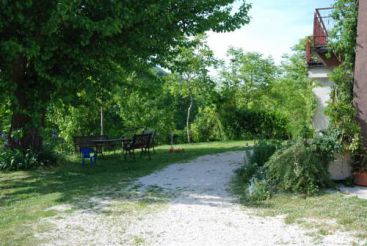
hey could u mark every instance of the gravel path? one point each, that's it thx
(202, 212)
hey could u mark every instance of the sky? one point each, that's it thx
(275, 26)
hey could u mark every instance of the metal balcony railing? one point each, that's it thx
(317, 50)
(323, 23)
(311, 58)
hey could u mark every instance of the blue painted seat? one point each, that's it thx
(89, 153)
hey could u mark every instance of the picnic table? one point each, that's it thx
(144, 142)
(108, 142)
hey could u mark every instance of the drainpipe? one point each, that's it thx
(360, 71)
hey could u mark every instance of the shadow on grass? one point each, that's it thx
(71, 183)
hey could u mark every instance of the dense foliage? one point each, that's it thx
(15, 159)
(57, 51)
(249, 124)
(80, 69)
(343, 36)
(257, 99)
(253, 174)
(237, 105)
(301, 168)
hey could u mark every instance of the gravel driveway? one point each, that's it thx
(201, 212)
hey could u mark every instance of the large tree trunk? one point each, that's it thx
(28, 108)
(23, 134)
(188, 130)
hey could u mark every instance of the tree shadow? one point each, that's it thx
(89, 188)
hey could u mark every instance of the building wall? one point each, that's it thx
(360, 73)
(322, 93)
(340, 168)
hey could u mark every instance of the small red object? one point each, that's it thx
(173, 150)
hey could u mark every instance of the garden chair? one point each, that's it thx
(139, 141)
(89, 153)
(152, 137)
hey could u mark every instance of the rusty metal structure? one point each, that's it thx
(317, 50)
(320, 56)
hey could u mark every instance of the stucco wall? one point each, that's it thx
(360, 73)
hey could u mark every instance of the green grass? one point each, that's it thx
(322, 214)
(26, 195)
(349, 213)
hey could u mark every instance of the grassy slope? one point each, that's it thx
(25, 196)
(349, 213)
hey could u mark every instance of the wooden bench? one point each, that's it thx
(152, 138)
(139, 141)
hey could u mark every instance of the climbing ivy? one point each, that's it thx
(343, 42)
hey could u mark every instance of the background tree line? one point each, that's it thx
(141, 65)
(62, 53)
(196, 97)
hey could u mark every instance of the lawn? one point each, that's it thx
(322, 214)
(26, 195)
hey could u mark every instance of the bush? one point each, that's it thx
(258, 190)
(14, 159)
(247, 171)
(299, 168)
(207, 126)
(245, 123)
(179, 137)
(263, 150)
(253, 173)
(327, 144)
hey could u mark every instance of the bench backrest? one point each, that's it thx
(142, 140)
(153, 132)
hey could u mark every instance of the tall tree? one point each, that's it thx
(248, 76)
(292, 92)
(191, 73)
(48, 49)
(253, 82)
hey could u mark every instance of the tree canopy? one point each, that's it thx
(53, 50)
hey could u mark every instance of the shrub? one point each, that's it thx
(263, 150)
(246, 123)
(207, 126)
(247, 171)
(253, 173)
(14, 159)
(258, 190)
(326, 145)
(298, 168)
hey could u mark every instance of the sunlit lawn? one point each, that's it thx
(322, 214)
(26, 195)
